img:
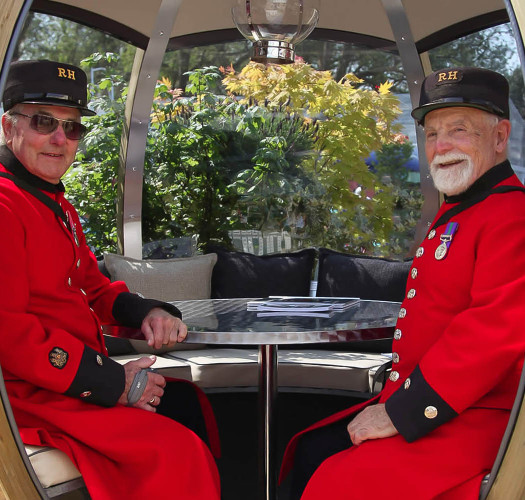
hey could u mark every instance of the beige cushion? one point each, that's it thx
(164, 279)
(328, 369)
(320, 369)
(167, 367)
(217, 367)
(51, 466)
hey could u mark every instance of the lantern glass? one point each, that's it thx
(275, 26)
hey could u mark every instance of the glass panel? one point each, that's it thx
(494, 48)
(91, 182)
(278, 158)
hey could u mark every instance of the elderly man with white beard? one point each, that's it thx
(458, 349)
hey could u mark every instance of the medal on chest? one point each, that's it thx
(446, 240)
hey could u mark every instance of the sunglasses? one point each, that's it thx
(45, 124)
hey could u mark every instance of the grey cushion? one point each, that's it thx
(164, 279)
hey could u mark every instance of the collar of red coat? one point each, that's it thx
(11, 163)
(488, 180)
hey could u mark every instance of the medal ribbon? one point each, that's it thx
(447, 236)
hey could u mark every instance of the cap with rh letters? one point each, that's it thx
(466, 87)
(46, 82)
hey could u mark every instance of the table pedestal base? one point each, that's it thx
(267, 402)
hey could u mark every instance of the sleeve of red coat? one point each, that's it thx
(482, 344)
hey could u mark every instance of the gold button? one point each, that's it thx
(99, 360)
(83, 291)
(402, 312)
(69, 281)
(85, 394)
(420, 252)
(411, 293)
(407, 383)
(395, 357)
(393, 376)
(397, 334)
(413, 273)
(431, 412)
(78, 263)
(431, 234)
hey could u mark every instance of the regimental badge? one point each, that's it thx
(58, 357)
(446, 240)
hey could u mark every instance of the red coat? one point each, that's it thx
(458, 353)
(52, 302)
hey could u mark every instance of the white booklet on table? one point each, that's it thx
(302, 304)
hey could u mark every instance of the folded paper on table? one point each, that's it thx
(302, 304)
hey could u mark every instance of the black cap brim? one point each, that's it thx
(65, 104)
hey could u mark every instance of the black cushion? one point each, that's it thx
(369, 278)
(239, 274)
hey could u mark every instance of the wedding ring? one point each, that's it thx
(152, 400)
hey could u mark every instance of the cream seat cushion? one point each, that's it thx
(164, 279)
(218, 367)
(51, 466)
(322, 369)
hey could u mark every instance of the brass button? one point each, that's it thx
(78, 263)
(394, 376)
(411, 293)
(420, 252)
(431, 412)
(85, 394)
(431, 234)
(407, 383)
(413, 273)
(395, 357)
(397, 334)
(99, 360)
(402, 312)
(69, 281)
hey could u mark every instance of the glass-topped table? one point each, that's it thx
(227, 321)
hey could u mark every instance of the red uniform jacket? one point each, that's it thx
(62, 386)
(457, 357)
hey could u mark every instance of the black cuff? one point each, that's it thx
(130, 309)
(416, 409)
(99, 379)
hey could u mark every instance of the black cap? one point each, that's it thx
(467, 87)
(46, 82)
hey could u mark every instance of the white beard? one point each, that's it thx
(452, 180)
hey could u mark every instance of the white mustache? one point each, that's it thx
(449, 158)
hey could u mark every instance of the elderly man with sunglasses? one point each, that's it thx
(64, 389)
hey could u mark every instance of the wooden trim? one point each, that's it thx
(10, 10)
(15, 481)
(510, 480)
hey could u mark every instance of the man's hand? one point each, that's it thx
(154, 388)
(372, 423)
(162, 329)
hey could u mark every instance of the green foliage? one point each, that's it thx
(341, 124)
(278, 152)
(390, 167)
(92, 180)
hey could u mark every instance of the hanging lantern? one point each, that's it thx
(275, 26)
